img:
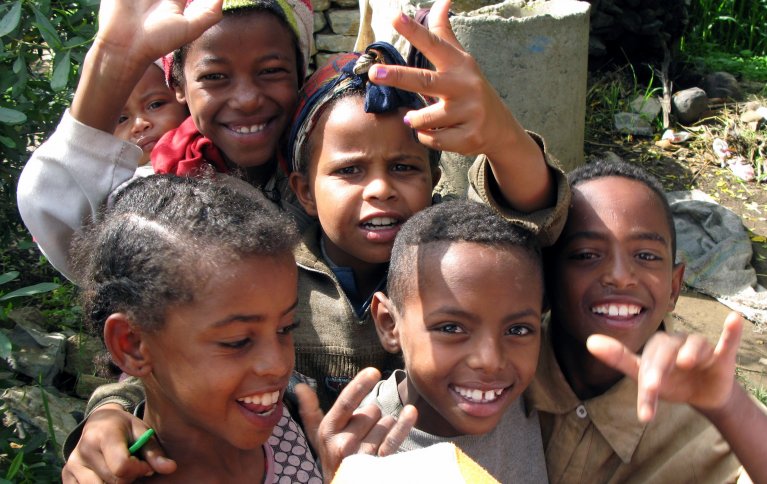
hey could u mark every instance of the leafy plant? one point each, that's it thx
(42, 44)
(733, 25)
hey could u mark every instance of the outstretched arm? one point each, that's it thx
(132, 34)
(347, 429)
(687, 369)
(469, 116)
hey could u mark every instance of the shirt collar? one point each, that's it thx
(613, 413)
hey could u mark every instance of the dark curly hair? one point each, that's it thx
(454, 221)
(602, 169)
(160, 238)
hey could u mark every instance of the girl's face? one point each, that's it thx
(150, 112)
(241, 85)
(367, 175)
(220, 364)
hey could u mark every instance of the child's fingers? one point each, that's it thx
(377, 435)
(310, 411)
(729, 341)
(202, 14)
(695, 351)
(154, 455)
(614, 354)
(398, 433)
(438, 42)
(423, 81)
(658, 359)
(350, 398)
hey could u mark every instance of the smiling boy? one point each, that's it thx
(613, 273)
(464, 309)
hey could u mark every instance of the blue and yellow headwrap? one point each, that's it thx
(343, 73)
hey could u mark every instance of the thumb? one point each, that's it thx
(614, 354)
(310, 411)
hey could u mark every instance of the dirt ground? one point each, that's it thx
(693, 165)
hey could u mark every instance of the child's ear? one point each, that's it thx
(299, 183)
(384, 316)
(126, 344)
(677, 279)
(180, 94)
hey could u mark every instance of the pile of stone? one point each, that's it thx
(52, 374)
(635, 30)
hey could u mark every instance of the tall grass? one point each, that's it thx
(733, 25)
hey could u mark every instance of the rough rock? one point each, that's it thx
(689, 105)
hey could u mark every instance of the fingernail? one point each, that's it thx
(379, 72)
(406, 120)
(404, 18)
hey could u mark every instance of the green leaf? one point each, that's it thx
(5, 346)
(15, 466)
(61, 67)
(40, 288)
(18, 64)
(7, 142)
(8, 277)
(47, 30)
(11, 116)
(11, 20)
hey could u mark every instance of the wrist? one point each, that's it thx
(728, 407)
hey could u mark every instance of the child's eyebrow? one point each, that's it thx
(453, 311)
(591, 235)
(250, 318)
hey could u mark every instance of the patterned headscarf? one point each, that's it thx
(297, 13)
(342, 73)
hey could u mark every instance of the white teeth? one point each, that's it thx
(477, 395)
(266, 399)
(249, 129)
(381, 222)
(617, 309)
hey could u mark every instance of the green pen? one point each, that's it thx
(138, 444)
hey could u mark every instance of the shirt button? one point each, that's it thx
(581, 412)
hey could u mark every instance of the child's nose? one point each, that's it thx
(619, 272)
(273, 359)
(246, 96)
(488, 355)
(141, 124)
(379, 187)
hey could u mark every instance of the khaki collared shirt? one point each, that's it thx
(601, 440)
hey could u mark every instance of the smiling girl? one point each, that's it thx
(237, 64)
(205, 324)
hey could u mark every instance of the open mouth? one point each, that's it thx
(617, 310)
(262, 404)
(475, 395)
(380, 223)
(248, 129)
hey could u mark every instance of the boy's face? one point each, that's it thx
(614, 272)
(150, 112)
(367, 175)
(241, 85)
(469, 332)
(220, 364)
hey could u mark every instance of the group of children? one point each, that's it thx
(205, 292)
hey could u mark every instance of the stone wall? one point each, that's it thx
(335, 27)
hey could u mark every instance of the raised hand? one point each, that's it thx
(469, 116)
(677, 368)
(347, 429)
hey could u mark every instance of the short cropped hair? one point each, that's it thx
(602, 169)
(448, 222)
(162, 236)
